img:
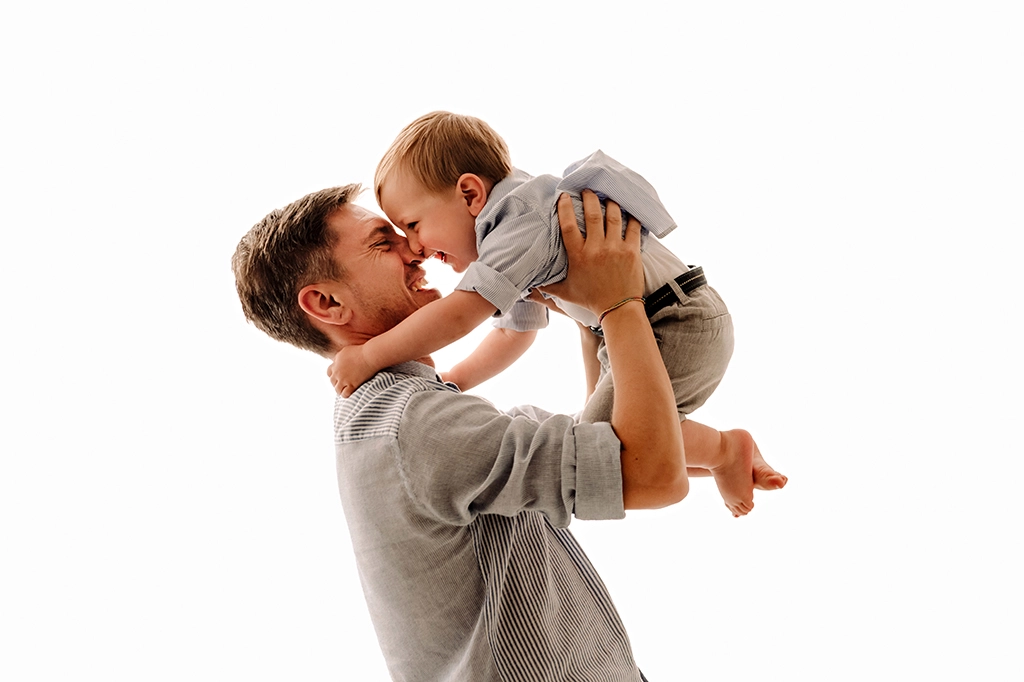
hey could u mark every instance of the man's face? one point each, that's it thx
(437, 224)
(384, 282)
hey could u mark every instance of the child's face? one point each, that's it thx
(438, 224)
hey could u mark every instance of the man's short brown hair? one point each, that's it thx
(286, 251)
(439, 147)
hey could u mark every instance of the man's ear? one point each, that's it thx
(474, 192)
(320, 302)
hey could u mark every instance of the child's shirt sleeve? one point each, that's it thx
(610, 179)
(523, 316)
(518, 248)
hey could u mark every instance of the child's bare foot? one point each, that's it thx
(733, 458)
(765, 478)
(733, 471)
(743, 469)
(729, 457)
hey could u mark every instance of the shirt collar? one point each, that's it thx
(415, 369)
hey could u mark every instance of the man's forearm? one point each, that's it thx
(606, 277)
(644, 413)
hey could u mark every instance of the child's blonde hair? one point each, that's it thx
(440, 146)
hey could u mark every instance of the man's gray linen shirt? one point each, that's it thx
(458, 514)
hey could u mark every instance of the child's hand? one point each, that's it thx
(349, 370)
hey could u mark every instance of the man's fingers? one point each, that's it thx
(571, 236)
(613, 218)
(632, 236)
(592, 214)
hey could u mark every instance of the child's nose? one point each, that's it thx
(412, 253)
(414, 243)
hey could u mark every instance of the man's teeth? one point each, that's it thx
(418, 284)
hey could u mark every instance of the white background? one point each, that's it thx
(849, 174)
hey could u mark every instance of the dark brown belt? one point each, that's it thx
(665, 296)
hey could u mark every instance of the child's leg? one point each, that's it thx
(696, 340)
(733, 458)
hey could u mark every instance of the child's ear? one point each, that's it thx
(322, 302)
(474, 192)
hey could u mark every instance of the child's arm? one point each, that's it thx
(589, 345)
(496, 352)
(430, 328)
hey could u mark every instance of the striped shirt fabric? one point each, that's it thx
(457, 514)
(519, 242)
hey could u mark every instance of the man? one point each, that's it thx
(457, 511)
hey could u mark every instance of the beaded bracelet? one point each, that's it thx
(618, 305)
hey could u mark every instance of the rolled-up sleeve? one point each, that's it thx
(459, 457)
(491, 284)
(520, 252)
(524, 316)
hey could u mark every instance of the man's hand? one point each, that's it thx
(349, 370)
(605, 266)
